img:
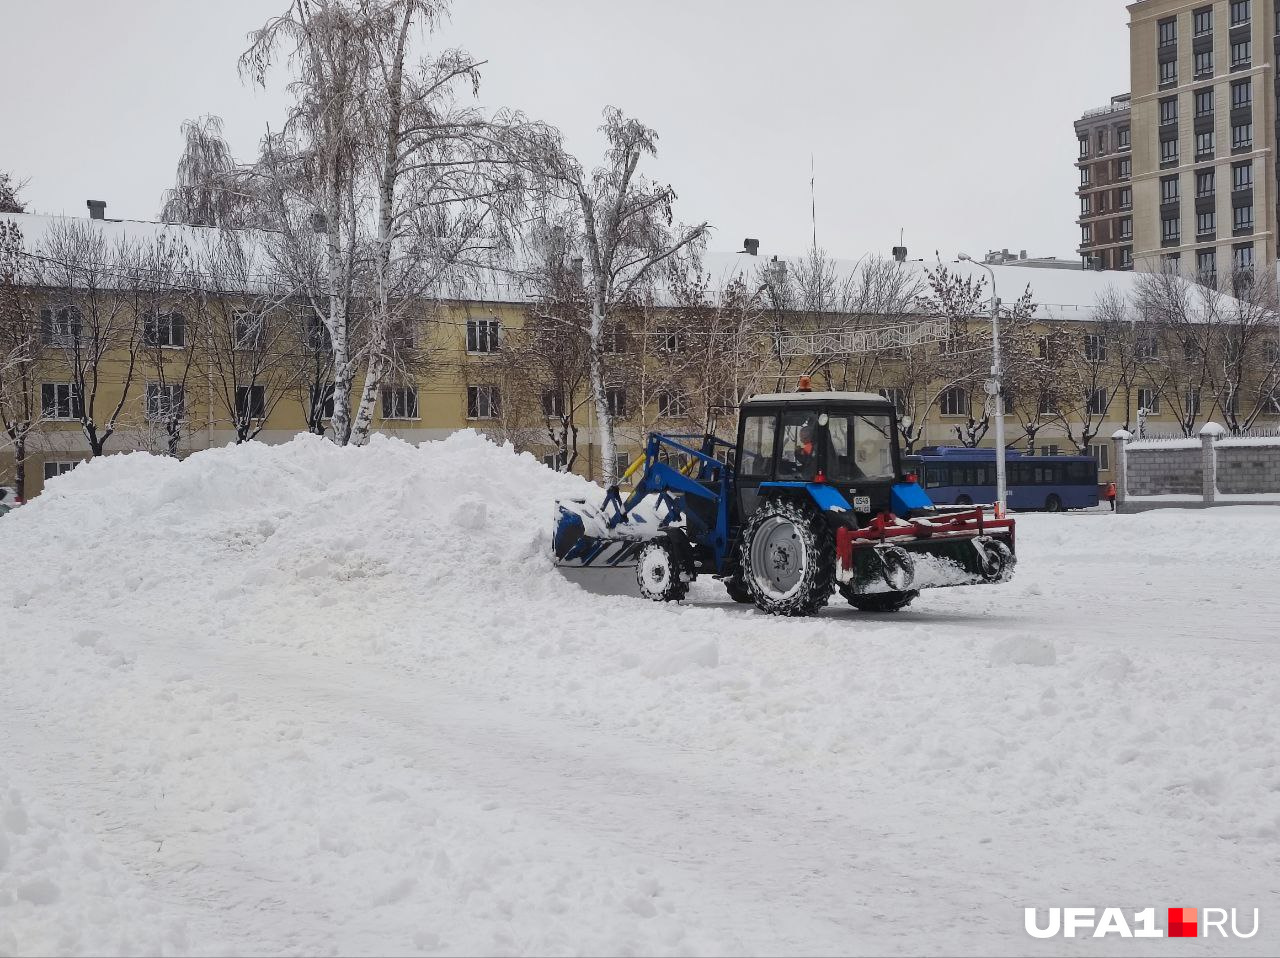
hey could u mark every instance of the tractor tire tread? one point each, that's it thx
(820, 574)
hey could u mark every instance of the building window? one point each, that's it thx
(1051, 450)
(1206, 222)
(1098, 402)
(671, 406)
(483, 335)
(896, 396)
(1205, 182)
(1102, 453)
(1125, 168)
(1204, 145)
(1084, 206)
(615, 400)
(1149, 399)
(1193, 401)
(1102, 202)
(1170, 263)
(1241, 54)
(1206, 265)
(165, 329)
(315, 333)
(1086, 234)
(1126, 255)
(1202, 21)
(1239, 12)
(401, 402)
(1242, 218)
(1168, 72)
(1084, 147)
(59, 401)
(955, 402)
(1241, 94)
(246, 328)
(322, 400)
(1146, 348)
(1168, 110)
(251, 402)
(1242, 136)
(54, 469)
(1242, 176)
(165, 401)
(1126, 227)
(1168, 31)
(553, 404)
(1168, 189)
(1085, 177)
(60, 326)
(1169, 151)
(1122, 138)
(1102, 141)
(1242, 257)
(1204, 64)
(621, 463)
(1095, 348)
(1170, 230)
(1126, 198)
(1204, 102)
(611, 338)
(483, 402)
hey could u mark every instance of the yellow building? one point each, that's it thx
(153, 360)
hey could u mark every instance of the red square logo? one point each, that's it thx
(1182, 923)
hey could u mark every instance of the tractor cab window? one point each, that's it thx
(799, 445)
(860, 447)
(757, 446)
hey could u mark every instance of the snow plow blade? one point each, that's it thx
(898, 555)
(591, 554)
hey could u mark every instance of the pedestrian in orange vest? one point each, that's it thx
(1111, 495)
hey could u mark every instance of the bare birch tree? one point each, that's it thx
(88, 320)
(623, 222)
(20, 350)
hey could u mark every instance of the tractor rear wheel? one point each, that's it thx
(880, 601)
(788, 558)
(659, 572)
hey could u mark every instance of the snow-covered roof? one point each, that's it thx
(1066, 295)
(1059, 294)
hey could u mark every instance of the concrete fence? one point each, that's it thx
(1212, 470)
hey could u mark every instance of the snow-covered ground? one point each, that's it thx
(301, 699)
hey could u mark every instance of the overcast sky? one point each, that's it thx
(949, 119)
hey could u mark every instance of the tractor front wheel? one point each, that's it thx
(788, 558)
(658, 571)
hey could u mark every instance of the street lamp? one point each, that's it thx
(996, 384)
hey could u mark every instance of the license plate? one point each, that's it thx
(861, 503)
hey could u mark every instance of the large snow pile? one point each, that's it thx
(306, 699)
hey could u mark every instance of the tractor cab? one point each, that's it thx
(846, 440)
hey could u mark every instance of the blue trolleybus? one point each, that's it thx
(953, 475)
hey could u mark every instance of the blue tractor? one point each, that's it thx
(813, 498)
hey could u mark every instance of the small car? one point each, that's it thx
(8, 500)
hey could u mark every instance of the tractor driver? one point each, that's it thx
(804, 454)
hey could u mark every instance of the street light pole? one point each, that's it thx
(997, 376)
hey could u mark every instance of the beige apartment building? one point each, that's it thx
(1203, 134)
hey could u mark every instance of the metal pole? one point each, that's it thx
(997, 372)
(998, 376)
